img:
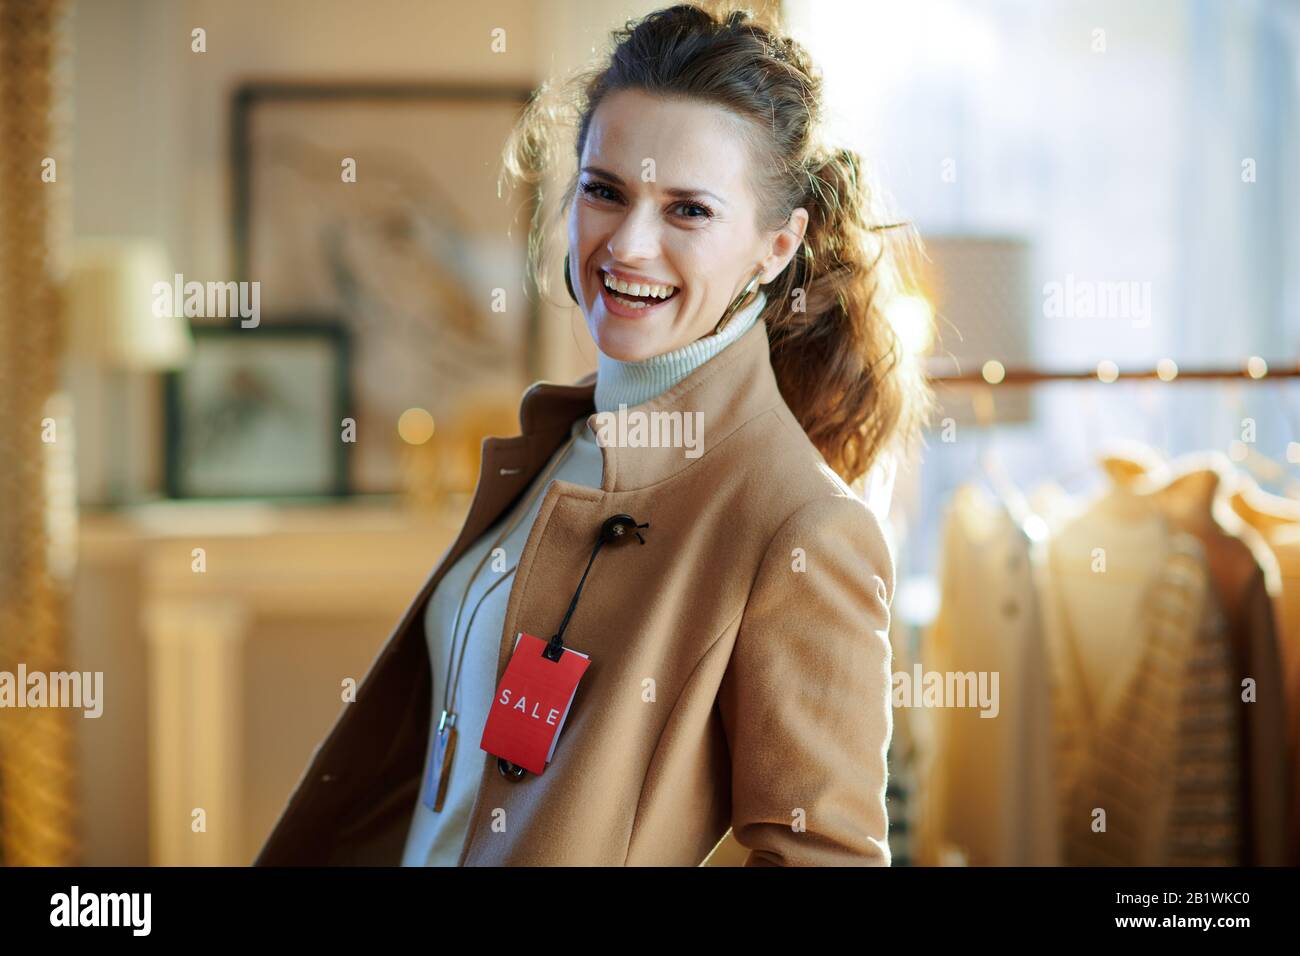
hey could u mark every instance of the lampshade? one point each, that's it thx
(983, 292)
(110, 314)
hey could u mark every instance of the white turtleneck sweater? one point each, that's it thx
(436, 839)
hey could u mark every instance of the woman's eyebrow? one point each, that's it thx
(675, 192)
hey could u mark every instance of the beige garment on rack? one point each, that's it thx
(1147, 765)
(1278, 520)
(987, 782)
(1193, 493)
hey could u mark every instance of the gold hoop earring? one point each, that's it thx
(568, 283)
(745, 293)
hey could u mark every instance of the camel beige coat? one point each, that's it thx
(740, 671)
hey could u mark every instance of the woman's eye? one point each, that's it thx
(593, 188)
(705, 211)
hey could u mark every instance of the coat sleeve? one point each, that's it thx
(805, 700)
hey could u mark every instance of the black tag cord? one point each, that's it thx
(615, 528)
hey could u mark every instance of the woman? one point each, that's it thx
(737, 656)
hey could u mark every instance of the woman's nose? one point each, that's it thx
(637, 237)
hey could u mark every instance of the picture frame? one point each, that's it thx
(411, 256)
(259, 413)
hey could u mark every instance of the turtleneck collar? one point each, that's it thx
(632, 383)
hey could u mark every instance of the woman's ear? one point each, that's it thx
(785, 244)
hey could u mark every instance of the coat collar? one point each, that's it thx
(730, 389)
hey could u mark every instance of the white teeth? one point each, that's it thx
(632, 288)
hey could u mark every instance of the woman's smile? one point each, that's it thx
(634, 300)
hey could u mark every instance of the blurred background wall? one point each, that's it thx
(137, 84)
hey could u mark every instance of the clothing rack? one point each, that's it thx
(1254, 370)
(984, 383)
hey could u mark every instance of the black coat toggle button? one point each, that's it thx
(510, 771)
(619, 526)
(615, 528)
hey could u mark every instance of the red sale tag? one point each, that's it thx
(532, 703)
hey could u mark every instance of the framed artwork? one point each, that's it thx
(379, 203)
(258, 413)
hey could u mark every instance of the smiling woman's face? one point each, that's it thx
(690, 233)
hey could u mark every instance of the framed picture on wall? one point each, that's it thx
(379, 203)
(259, 413)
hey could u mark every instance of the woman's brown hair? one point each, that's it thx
(841, 368)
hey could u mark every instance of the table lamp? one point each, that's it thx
(113, 337)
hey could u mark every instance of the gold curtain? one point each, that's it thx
(36, 744)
